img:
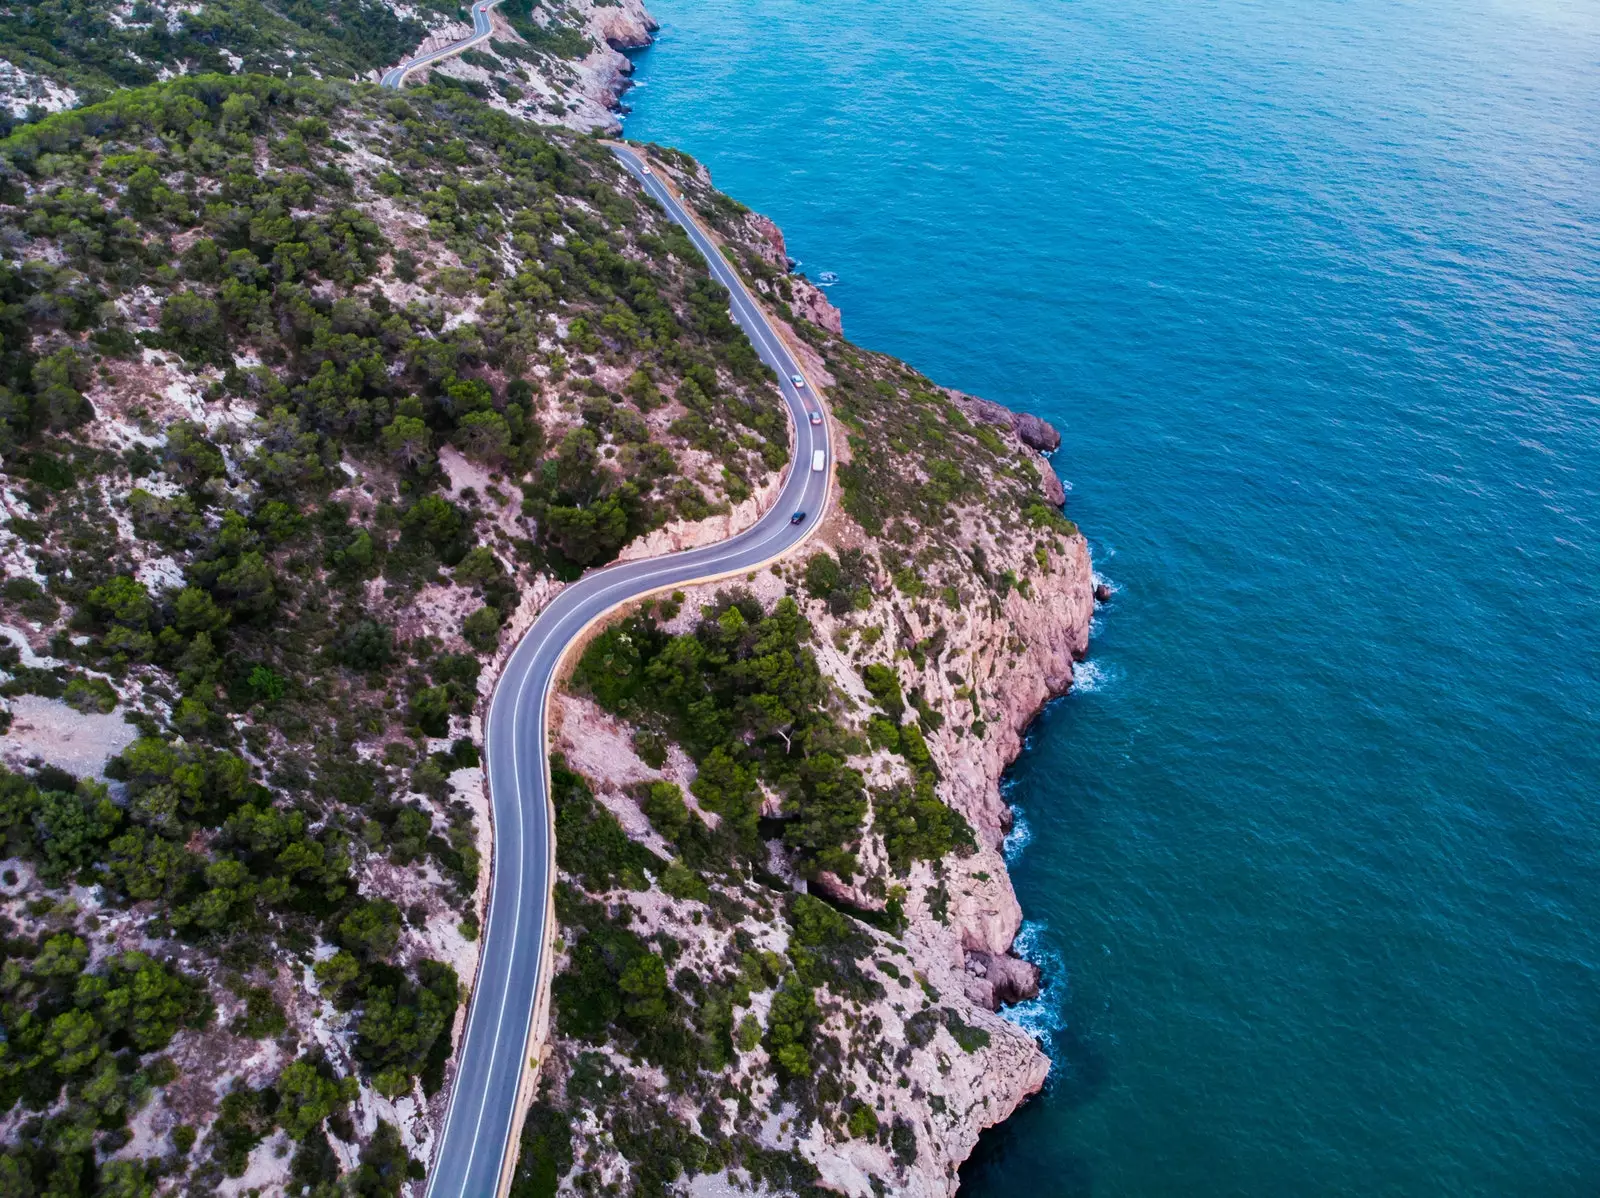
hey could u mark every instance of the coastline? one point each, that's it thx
(963, 942)
(1015, 653)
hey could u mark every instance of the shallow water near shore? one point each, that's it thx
(1313, 292)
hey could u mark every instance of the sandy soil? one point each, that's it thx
(48, 730)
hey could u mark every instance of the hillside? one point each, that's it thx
(549, 64)
(292, 431)
(311, 397)
(785, 923)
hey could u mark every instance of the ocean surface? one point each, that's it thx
(1312, 289)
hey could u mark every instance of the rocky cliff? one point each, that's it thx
(561, 66)
(944, 600)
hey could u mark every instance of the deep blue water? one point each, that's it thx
(1313, 290)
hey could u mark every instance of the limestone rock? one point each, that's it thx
(1050, 484)
(813, 305)
(767, 240)
(1036, 432)
(1033, 431)
(998, 980)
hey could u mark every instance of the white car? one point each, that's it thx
(645, 169)
(797, 380)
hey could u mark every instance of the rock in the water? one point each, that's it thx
(1038, 433)
(1033, 431)
(998, 979)
(1102, 593)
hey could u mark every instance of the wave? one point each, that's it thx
(1091, 677)
(1018, 838)
(1046, 1015)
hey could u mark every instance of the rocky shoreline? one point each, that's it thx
(1015, 652)
(583, 93)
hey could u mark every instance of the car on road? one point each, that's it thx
(797, 380)
(644, 169)
(819, 459)
(797, 517)
(816, 418)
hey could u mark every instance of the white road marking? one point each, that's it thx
(757, 544)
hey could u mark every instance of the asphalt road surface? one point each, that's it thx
(395, 76)
(472, 1152)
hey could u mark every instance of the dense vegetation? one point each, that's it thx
(82, 1045)
(742, 694)
(343, 283)
(302, 385)
(95, 47)
(620, 991)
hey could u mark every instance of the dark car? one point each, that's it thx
(797, 517)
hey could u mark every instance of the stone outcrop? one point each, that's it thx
(1033, 431)
(605, 74)
(1050, 484)
(997, 980)
(810, 303)
(622, 26)
(766, 239)
(807, 300)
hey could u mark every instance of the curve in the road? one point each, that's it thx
(481, 27)
(472, 1159)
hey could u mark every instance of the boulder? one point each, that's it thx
(1035, 432)
(810, 303)
(1054, 493)
(996, 980)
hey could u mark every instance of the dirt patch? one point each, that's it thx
(49, 731)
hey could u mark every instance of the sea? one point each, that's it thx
(1311, 854)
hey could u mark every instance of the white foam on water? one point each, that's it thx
(1018, 838)
(1090, 677)
(1041, 1017)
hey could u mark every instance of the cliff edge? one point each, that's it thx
(799, 776)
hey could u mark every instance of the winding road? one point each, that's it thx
(395, 76)
(474, 1158)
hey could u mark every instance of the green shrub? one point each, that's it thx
(668, 813)
(862, 1123)
(482, 629)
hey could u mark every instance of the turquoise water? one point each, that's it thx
(1313, 291)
